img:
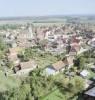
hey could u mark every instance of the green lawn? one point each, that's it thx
(42, 59)
(45, 61)
(8, 82)
(55, 95)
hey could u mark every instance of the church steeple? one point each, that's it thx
(30, 30)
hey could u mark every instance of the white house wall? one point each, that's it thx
(24, 71)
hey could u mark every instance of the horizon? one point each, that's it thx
(40, 16)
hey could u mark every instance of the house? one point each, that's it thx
(12, 55)
(6, 34)
(60, 42)
(75, 48)
(25, 34)
(50, 36)
(69, 60)
(21, 43)
(55, 68)
(11, 37)
(60, 65)
(25, 67)
(84, 73)
(90, 94)
(75, 40)
(92, 42)
(14, 51)
(14, 59)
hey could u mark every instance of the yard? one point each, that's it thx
(43, 59)
(46, 60)
(57, 94)
(54, 95)
(8, 82)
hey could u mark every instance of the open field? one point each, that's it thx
(8, 82)
(30, 21)
(47, 20)
(54, 95)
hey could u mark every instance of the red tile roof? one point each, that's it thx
(58, 65)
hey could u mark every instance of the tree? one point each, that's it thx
(68, 48)
(3, 48)
(10, 64)
(2, 45)
(79, 84)
(73, 69)
(79, 62)
(39, 83)
(27, 54)
(60, 56)
(43, 43)
(71, 87)
(20, 93)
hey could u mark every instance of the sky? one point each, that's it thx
(14, 8)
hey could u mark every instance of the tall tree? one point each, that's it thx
(40, 84)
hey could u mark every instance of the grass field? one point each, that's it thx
(55, 95)
(49, 23)
(8, 82)
(45, 61)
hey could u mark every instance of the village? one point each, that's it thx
(67, 49)
(47, 49)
